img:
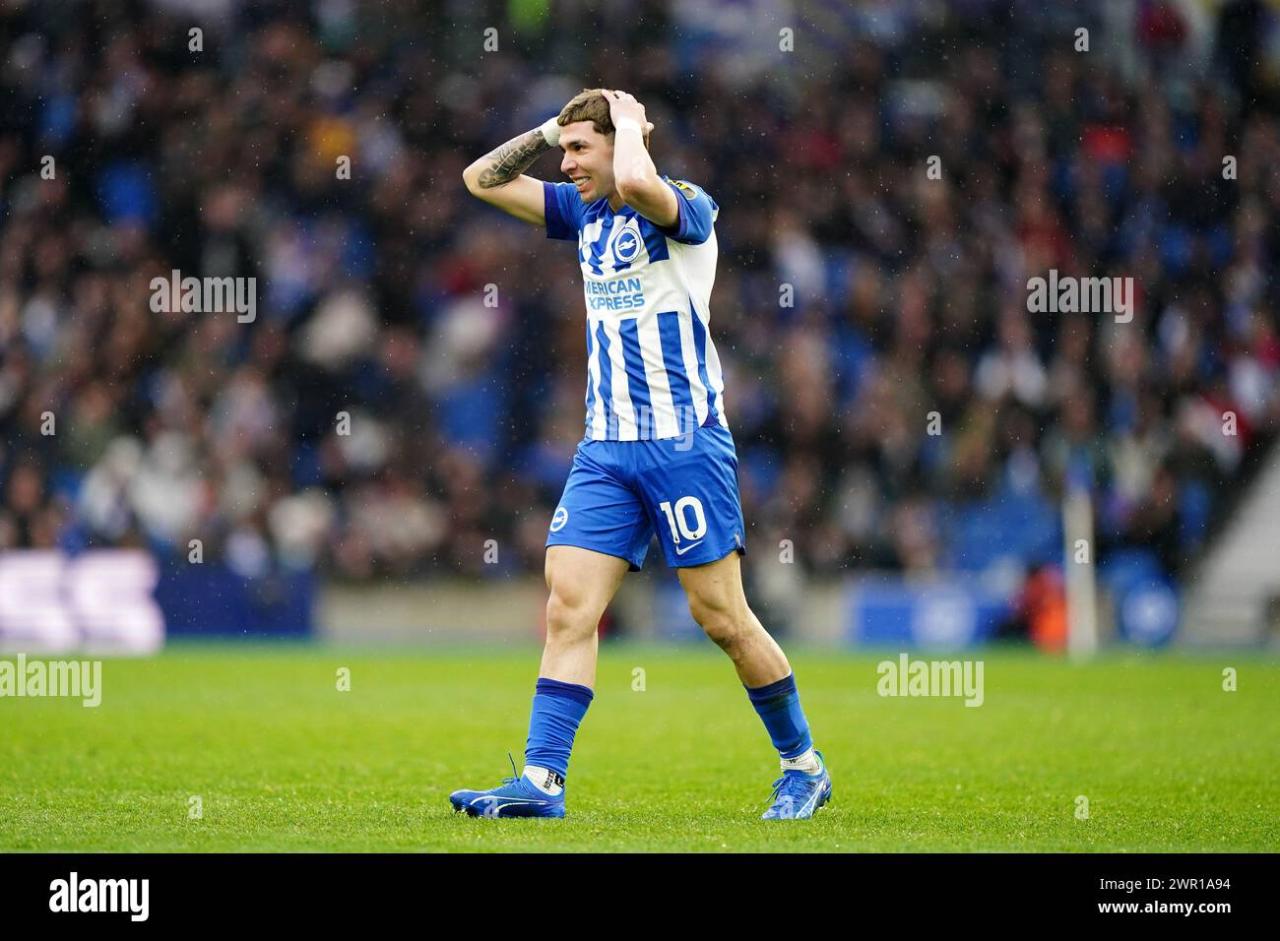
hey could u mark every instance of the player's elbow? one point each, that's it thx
(471, 178)
(626, 186)
(472, 175)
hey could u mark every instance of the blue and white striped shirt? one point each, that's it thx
(652, 370)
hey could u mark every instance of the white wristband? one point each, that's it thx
(550, 131)
(626, 123)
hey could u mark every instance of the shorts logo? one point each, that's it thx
(559, 519)
(627, 245)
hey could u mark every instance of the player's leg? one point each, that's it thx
(580, 585)
(597, 533)
(719, 604)
(691, 486)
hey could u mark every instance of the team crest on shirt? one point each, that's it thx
(627, 245)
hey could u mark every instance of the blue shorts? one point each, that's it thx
(685, 489)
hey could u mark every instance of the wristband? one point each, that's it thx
(626, 123)
(550, 131)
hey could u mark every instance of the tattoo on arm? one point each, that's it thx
(512, 158)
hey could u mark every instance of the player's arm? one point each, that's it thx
(498, 177)
(634, 174)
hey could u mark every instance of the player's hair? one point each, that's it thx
(591, 105)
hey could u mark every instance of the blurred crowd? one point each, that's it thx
(412, 384)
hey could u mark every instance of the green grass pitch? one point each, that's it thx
(283, 761)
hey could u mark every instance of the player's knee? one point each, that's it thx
(569, 611)
(722, 622)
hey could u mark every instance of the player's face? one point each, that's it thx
(588, 160)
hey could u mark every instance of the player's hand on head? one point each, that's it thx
(624, 105)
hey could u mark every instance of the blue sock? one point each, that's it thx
(778, 705)
(557, 709)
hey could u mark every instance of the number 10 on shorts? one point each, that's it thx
(679, 518)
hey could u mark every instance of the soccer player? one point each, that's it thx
(657, 454)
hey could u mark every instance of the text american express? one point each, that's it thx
(614, 294)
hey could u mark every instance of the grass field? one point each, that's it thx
(283, 761)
